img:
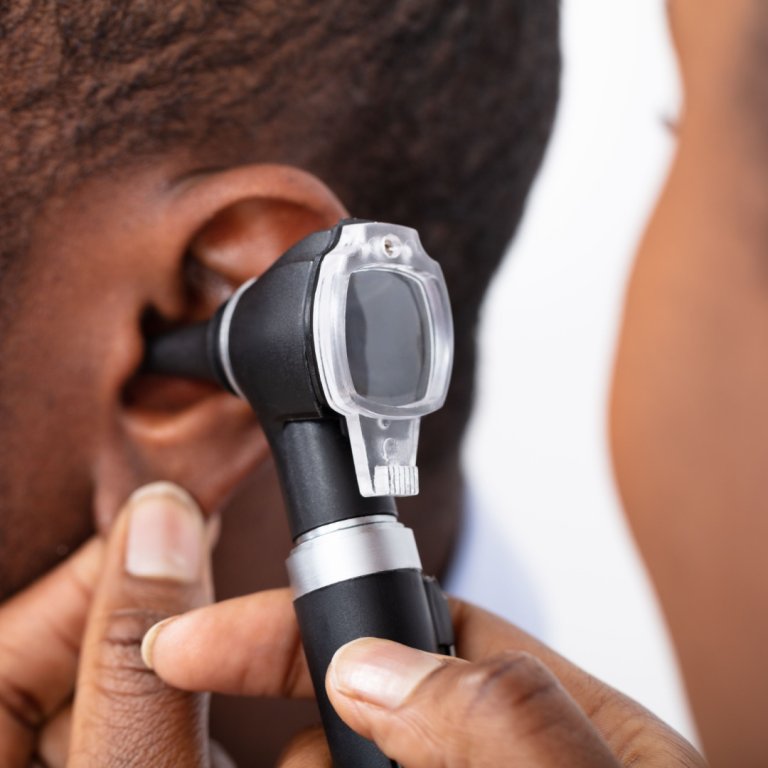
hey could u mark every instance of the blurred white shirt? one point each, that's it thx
(487, 572)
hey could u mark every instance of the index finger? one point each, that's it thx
(245, 646)
(251, 646)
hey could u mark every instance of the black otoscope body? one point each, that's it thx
(340, 348)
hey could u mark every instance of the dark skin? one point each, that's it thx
(689, 438)
(127, 428)
(689, 378)
(183, 242)
(137, 98)
(232, 224)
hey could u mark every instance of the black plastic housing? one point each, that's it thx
(393, 605)
(271, 331)
(185, 352)
(272, 356)
(271, 350)
(317, 475)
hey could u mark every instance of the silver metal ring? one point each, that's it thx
(224, 328)
(341, 554)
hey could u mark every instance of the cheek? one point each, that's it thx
(62, 355)
(44, 478)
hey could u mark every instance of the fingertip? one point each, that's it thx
(177, 653)
(149, 640)
(379, 672)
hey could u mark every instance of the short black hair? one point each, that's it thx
(433, 113)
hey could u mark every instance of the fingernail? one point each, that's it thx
(148, 641)
(166, 534)
(379, 672)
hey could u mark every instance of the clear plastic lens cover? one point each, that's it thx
(383, 339)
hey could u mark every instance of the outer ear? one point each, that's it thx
(219, 229)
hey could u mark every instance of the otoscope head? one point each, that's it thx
(383, 338)
(351, 322)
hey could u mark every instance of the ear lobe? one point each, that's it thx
(236, 224)
(208, 446)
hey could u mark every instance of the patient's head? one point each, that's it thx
(143, 153)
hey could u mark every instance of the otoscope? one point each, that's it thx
(340, 348)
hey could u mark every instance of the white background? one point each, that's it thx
(537, 452)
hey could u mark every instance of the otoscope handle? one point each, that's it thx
(385, 601)
(355, 570)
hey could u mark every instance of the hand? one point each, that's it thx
(90, 614)
(510, 701)
(40, 634)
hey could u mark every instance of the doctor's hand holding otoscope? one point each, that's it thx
(340, 348)
(332, 387)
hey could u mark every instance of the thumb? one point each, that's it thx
(156, 565)
(430, 711)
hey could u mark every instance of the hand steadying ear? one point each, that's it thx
(157, 558)
(96, 607)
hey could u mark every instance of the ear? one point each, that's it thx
(218, 229)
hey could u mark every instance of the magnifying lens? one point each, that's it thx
(341, 347)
